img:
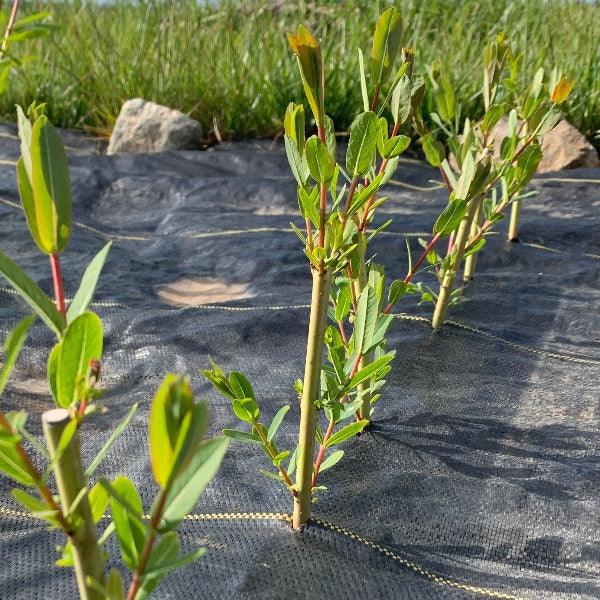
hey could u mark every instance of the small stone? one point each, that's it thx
(147, 127)
(563, 148)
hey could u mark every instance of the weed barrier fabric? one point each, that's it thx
(480, 475)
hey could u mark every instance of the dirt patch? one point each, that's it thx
(201, 290)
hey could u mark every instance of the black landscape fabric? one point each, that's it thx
(480, 475)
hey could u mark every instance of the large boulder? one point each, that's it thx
(146, 127)
(564, 147)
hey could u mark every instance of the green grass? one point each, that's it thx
(229, 62)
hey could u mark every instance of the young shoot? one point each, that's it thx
(182, 462)
(483, 178)
(346, 358)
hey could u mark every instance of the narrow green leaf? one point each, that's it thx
(189, 485)
(127, 511)
(276, 422)
(87, 287)
(346, 432)
(112, 438)
(450, 219)
(366, 319)
(370, 370)
(32, 294)
(12, 348)
(53, 366)
(242, 436)
(332, 460)
(363, 80)
(401, 100)
(395, 146)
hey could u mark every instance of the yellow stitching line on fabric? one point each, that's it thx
(493, 336)
(228, 232)
(273, 516)
(416, 568)
(557, 251)
(403, 316)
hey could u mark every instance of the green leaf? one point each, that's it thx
(330, 140)
(492, 116)
(297, 161)
(363, 81)
(36, 507)
(12, 348)
(320, 164)
(242, 436)
(332, 460)
(51, 187)
(401, 100)
(527, 163)
(276, 422)
(346, 432)
(362, 144)
(25, 137)
(450, 219)
(395, 146)
(99, 499)
(445, 99)
(434, 150)
(363, 196)
(371, 370)
(308, 205)
(187, 487)
(397, 290)
(476, 247)
(461, 191)
(13, 465)
(170, 419)
(114, 585)
(32, 294)
(294, 125)
(310, 61)
(87, 287)
(82, 343)
(386, 43)
(246, 410)
(127, 513)
(112, 438)
(53, 366)
(366, 319)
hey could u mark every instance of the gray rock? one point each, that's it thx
(146, 127)
(564, 147)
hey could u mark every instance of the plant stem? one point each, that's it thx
(310, 394)
(447, 284)
(321, 454)
(471, 260)
(9, 27)
(59, 292)
(272, 454)
(147, 550)
(70, 480)
(513, 228)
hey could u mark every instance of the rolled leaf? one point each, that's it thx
(12, 348)
(386, 43)
(51, 189)
(310, 61)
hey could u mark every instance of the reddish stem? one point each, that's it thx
(321, 454)
(59, 292)
(432, 243)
